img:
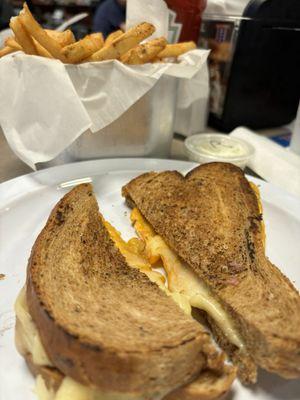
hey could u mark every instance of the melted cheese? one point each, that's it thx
(28, 339)
(72, 390)
(41, 390)
(182, 280)
(134, 253)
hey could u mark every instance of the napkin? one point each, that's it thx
(272, 162)
(295, 139)
(33, 92)
(154, 11)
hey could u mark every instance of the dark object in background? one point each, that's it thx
(109, 16)
(6, 11)
(52, 13)
(284, 139)
(254, 65)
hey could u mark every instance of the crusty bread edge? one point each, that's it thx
(208, 386)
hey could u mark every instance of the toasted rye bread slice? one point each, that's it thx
(209, 385)
(211, 219)
(101, 322)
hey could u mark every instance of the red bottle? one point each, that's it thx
(185, 19)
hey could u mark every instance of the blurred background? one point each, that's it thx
(52, 13)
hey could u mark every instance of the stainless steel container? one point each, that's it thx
(144, 130)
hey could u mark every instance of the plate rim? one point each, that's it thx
(17, 187)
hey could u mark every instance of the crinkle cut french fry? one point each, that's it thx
(11, 42)
(176, 49)
(22, 36)
(124, 43)
(113, 36)
(84, 48)
(63, 38)
(38, 33)
(6, 50)
(145, 52)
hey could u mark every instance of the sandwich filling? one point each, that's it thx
(182, 280)
(27, 337)
(150, 253)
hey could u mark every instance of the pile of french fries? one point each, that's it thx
(32, 39)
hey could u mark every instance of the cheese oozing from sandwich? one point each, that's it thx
(182, 280)
(72, 390)
(27, 337)
(134, 253)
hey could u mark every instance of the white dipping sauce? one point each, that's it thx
(211, 147)
(220, 147)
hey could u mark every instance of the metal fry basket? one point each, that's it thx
(144, 130)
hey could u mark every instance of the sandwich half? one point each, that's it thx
(91, 326)
(207, 228)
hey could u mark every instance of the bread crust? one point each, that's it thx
(211, 219)
(209, 385)
(130, 338)
(51, 375)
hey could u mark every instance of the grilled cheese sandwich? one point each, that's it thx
(105, 304)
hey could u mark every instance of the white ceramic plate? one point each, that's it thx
(25, 204)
